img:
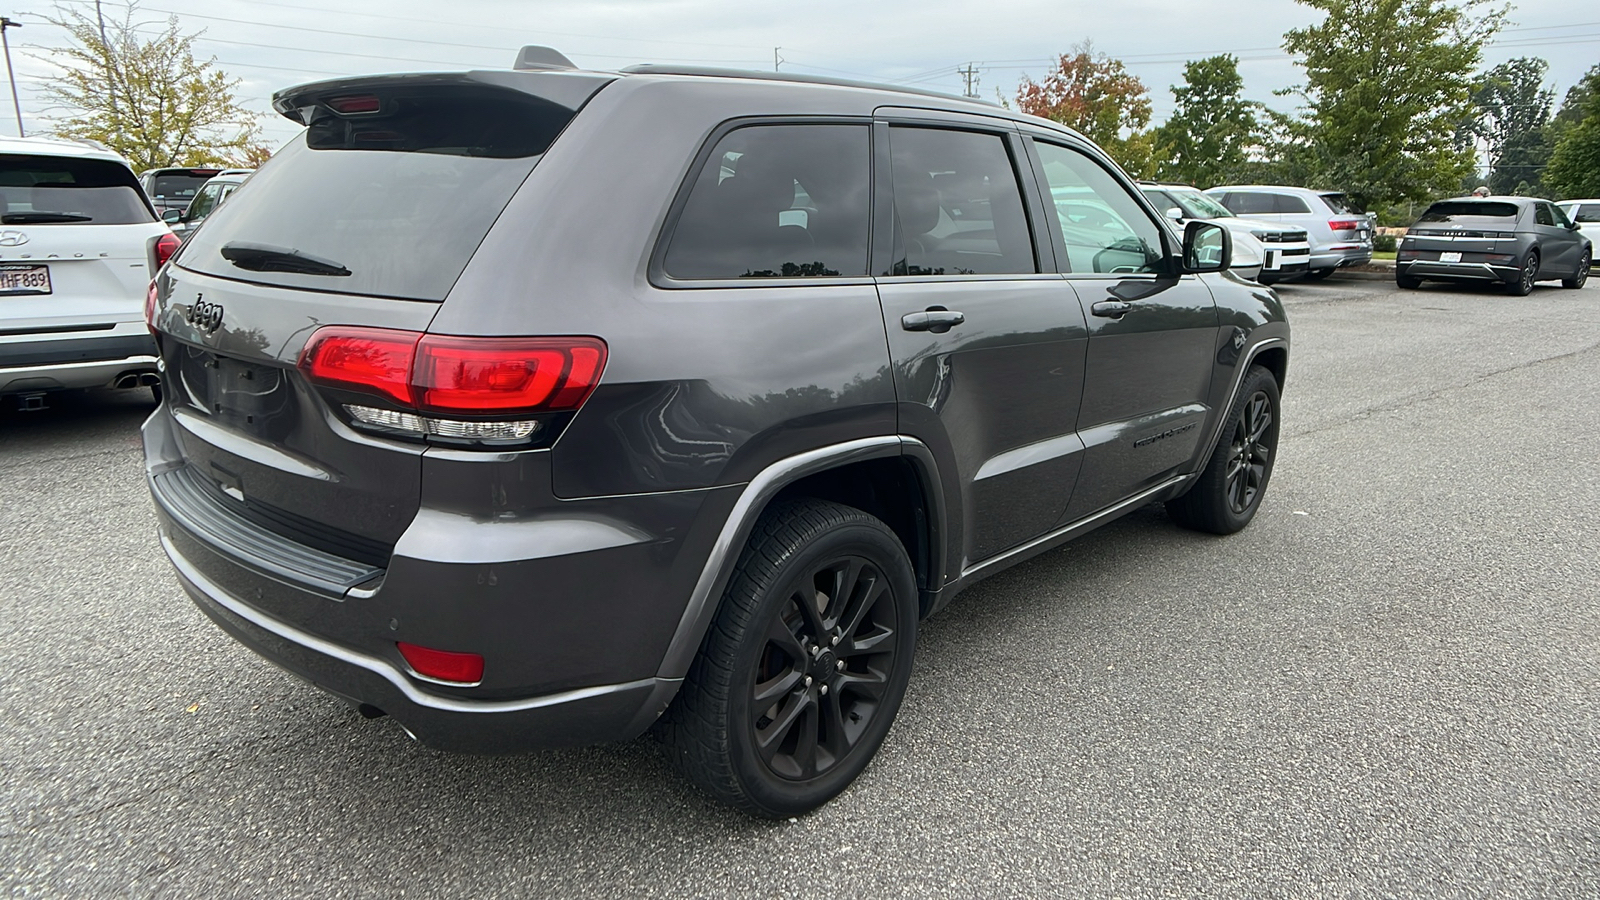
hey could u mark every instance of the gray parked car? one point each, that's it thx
(542, 406)
(1514, 241)
(1339, 236)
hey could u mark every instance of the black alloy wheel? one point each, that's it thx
(1580, 276)
(1228, 491)
(804, 667)
(821, 678)
(1529, 273)
(1249, 455)
(1407, 282)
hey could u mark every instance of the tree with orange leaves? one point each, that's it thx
(1097, 96)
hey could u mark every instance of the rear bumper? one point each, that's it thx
(51, 362)
(571, 611)
(1458, 271)
(1338, 259)
(585, 716)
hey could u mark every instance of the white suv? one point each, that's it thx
(79, 244)
(1339, 236)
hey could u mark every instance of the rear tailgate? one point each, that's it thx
(366, 220)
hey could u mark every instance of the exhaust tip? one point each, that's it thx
(30, 402)
(368, 711)
(149, 379)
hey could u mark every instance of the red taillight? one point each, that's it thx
(502, 375)
(443, 665)
(150, 301)
(446, 373)
(1344, 224)
(376, 360)
(359, 103)
(166, 245)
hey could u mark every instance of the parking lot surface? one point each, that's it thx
(1386, 686)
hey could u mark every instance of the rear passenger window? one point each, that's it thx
(1289, 203)
(1243, 204)
(1541, 214)
(778, 201)
(957, 205)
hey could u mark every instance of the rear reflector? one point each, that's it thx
(463, 375)
(443, 665)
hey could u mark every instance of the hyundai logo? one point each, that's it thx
(12, 239)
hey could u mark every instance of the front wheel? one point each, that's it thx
(804, 667)
(1580, 276)
(1228, 492)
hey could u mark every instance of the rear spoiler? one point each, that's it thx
(566, 88)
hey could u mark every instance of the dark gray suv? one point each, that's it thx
(545, 406)
(1511, 241)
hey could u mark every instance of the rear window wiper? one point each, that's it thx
(41, 218)
(267, 258)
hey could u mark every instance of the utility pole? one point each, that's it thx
(6, 25)
(970, 75)
(776, 59)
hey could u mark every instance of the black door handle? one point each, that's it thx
(936, 319)
(1111, 309)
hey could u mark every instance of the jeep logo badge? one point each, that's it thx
(205, 316)
(12, 239)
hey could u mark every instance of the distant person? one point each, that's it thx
(1481, 190)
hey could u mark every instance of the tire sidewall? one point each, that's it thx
(772, 794)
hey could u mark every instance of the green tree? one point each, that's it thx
(1513, 109)
(148, 98)
(1097, 96)
(1574, 170)
(1208, 137)
(1388, 83)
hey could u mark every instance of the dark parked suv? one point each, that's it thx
(542, 406)
(1511, 241)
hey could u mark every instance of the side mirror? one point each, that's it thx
(1207, 247)
(1572, 226)
(172, 216)
(1175, 214)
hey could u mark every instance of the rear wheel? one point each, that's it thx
(1228, 492)
(1580, 276)
(803, 670)
(1407, 282)
(1526, 276)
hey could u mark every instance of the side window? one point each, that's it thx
(778, 201)
(1288, 203)
(1560, 216)
(1541, 214)
(1589, 212)
(1247, 204)
(958, 208)
(203, 202)
(1106, 230)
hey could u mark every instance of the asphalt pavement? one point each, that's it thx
(1385, 686)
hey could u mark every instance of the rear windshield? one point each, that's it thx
(178, 187)
(51, 190)
(386, 204)
(1455, 210)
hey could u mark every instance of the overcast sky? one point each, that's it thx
(269, 45)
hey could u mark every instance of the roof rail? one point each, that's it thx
(535, 56)
(660, 69)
